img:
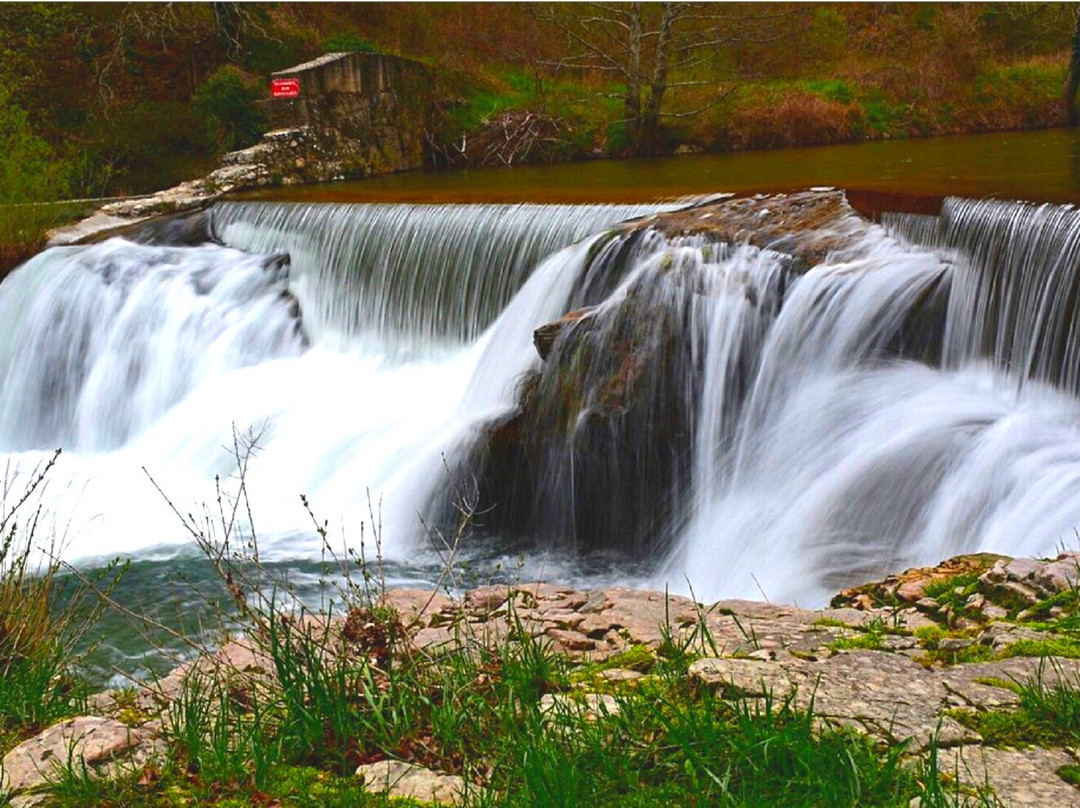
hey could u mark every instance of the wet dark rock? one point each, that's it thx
(544, 337)
(186, 228)
(598, 454)
(806, 226)
(183, 230)
(278, 265)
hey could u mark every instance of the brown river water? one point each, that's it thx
(912, 175)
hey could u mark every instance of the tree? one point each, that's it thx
(30, 179)
(1072, 81)
(653, 48)
(229, 100)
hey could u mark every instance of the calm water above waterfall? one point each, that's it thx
(1043, 166)
(912, 396)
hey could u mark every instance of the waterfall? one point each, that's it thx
(858, 453)
(409, 277)
(1015, 284)
(361, 344)
(99, 342)
(746, 420)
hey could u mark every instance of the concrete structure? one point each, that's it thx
(382, 103)
(357, 115)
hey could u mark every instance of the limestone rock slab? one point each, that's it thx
(399, 779)
(1019, 778)
(105, 746)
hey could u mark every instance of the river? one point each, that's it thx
(365, 336)
(1041, 166)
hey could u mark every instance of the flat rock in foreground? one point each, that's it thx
(103, 746)
(902, 674)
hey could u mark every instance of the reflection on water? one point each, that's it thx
(1038, 166)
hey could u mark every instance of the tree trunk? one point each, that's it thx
(632, 98)
(650, 120)
(1072, 82)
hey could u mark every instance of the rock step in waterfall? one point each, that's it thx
(759, 394)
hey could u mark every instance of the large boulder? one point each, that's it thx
(598, 453)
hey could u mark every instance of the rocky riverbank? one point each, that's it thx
(949, 661)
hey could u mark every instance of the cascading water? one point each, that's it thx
(412, 277)
(1016, 284)
(132, 356)
(851, 459)
(761, 424)
(99, 342)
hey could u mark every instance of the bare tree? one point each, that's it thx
(653, 48)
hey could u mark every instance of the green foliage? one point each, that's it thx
(1066, 600)
(1070, 774)
(44, 614)
(954, 590)
(286, 787)
(228, 100)
(1037, 77)
(347, 43)
(617, 138)
(871, 641)
(1067, 646)
(669, 747)
(219, 734)
(484, 103)
(929, 636)
(635, 658)
(880, 115)
(83, 73)
(870, 636)
(31, 178)
(152, 145)
(831, 622)
(1025, 29)
(931, 639)
(833, 89)
(28, 170)
(1048, 714)
(952, 594)
(827, 35)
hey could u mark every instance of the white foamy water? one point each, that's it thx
(908, 399)
(848, 460)
(141, 360)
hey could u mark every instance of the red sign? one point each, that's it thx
(285, 88)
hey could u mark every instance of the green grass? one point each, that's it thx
(1054, 646)
(869, 641)
(831, 622)
(44, 615)
(23, 228)
(337, 700)
(1066, 600)
(1034, 79)
(953, 591)
(1070, 774)
(841, 90)
(870, 635)
(334, 698)
(1048, 714)
(931, 637)
(286, 787)
(665, 747)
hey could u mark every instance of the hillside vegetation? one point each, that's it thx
(126, 98)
